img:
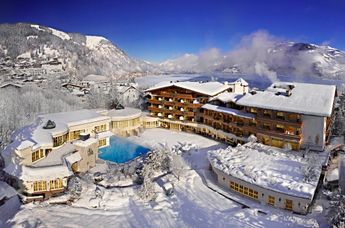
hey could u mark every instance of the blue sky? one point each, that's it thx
(158, 30)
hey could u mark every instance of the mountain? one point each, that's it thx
(265, 57)
(35, 49)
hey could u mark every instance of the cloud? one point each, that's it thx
(265, 55)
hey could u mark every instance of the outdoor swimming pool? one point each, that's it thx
(121, 150)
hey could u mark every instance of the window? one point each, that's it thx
(267, 113)
(271, 200)
(59, 140)
(266, 126)
(253, 110)
(101, 128)
(75, 134)
(252, 123)
(40, 186)
(244, 190)
(288, 204)
(102, 142)
(280, 115)
(37, 155)
(56, 184)
(280, 128)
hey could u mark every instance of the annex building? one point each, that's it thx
(44, 154)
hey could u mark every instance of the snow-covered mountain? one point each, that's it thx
(35, 47)
(265, 56)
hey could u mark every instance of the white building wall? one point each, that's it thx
(300, 205)
(313, 132)
(240, 89)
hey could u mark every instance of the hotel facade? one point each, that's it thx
(285, 115)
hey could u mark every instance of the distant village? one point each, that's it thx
(51, 73)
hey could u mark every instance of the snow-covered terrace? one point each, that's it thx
(305, 98)
(270, 168)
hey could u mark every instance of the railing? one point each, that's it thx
(173, 111)
(175, 103)
(279, 121)
(177, 95)
(245, 126)
(155, 101)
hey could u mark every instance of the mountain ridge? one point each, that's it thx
(78, 54)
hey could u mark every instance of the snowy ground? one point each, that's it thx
(192, 205)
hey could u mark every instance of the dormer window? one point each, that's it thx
(49, 125)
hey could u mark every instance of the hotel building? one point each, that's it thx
(285, 115)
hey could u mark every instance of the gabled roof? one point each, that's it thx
(242, 81)
(206, 88)
(10, 84)
(304, 98)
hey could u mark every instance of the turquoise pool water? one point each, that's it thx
(121, 150)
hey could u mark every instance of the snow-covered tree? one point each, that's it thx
(178, 166)
(21, 107)
(147, 189)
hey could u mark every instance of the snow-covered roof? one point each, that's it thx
(230, 111)
(226, 97)
(242, 81)
(85, 143)
(27, 173)
(25, 144)
(55, 157)
(75, 157)
(124, 88)
(104, 134)
(45, 173)
(123, 114)
(34, 134)
(333, 175)
(10, 84)
(305, 98)
(269, 167)
(206, 88)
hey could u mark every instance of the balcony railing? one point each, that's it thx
(279, 121)
(245, 126)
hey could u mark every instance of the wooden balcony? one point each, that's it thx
(245, 126)
(189, 114)
(169, 103)
(184, 96)
(155, 101)
(154, 109)
(194, 106)
(176, 95)
(168, 95)
(279, 121)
